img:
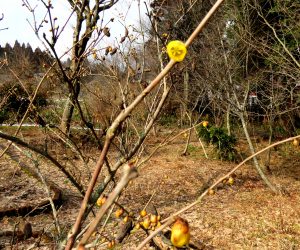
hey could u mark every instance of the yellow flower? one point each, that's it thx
(205, 124)
(180, 233)
(176, 50)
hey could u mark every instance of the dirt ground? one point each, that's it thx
(245, 215)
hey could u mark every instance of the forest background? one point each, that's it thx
(97, 108)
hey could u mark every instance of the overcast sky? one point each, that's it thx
(18, 17)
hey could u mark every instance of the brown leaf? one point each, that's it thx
(122, 39)
(106, 31)
(126, 32)
(113, 51)
(107, 50)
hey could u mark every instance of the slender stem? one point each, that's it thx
(203, 22)
(121, 117)
(88, 193)
(129, 174)
(170, 219)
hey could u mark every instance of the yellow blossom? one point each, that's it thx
(180, 233)
(205, 124)
(176, 50)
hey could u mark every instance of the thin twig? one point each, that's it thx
(170, 219)
(130, 173)
(121, 118)
(32, 99)
(203, 22)
(36, 164)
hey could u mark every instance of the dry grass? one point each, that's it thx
(245, 215)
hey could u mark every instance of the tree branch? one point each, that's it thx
(46, 155)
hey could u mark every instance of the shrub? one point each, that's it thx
(223, 143)
(17, 102)
(3, 115)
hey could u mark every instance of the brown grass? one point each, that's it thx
(245, 215)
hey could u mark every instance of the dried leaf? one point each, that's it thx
(107, 50)
(126, 32)
(122, 39)
(106, 31)
(113, 51)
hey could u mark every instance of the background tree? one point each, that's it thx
(87, 31)
(232, 59)
(260, 39)
(104, 85)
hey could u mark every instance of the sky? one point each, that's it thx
(18, 19)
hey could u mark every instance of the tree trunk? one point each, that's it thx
(268, 162)
(185, 90)
(69, 109)
(185, 96)
(67, 116)
(252, 150)
(228, 120)
(188, 138)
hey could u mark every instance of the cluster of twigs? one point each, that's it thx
(130, 169)
(116, 124)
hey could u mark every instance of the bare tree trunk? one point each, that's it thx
(67, 116)
(188, 138)
(268, 162)
(88, 13)
(241, 115)
(69, 109)
(185, 96)
(185, 90)
(271, 132)
(252, 150)
(228, 120)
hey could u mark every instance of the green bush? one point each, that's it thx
(4, 115)
(223, 143)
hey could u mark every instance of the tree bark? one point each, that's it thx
(228, 125)
(67, 116)
(69, 109)
(252, 150)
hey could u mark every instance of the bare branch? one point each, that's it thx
(122, 116)
(130, 172)
(170, 219)
(46, 155)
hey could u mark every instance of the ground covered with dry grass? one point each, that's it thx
(245, 215)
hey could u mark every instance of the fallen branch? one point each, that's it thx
(169, 220)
